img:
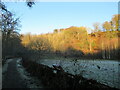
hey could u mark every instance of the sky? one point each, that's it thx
(44, 17)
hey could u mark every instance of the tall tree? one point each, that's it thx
(115, 21)
(56, 30)
(10, 31)
(107, 26)
(96, 26)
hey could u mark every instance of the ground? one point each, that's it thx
(14, 76)
(104, 71)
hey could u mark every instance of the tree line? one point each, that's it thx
(77, 42)
(68, 42)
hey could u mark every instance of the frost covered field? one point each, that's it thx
(104, 71)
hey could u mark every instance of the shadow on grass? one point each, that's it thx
(60, 79)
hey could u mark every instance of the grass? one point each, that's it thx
(60, 79)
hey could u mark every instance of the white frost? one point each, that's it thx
(104, 71)
(31, 82)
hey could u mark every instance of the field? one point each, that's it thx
(104, 71)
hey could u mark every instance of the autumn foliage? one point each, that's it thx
(75, 41)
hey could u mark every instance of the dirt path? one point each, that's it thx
(12, 78)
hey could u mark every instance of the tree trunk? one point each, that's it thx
(103, 50)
